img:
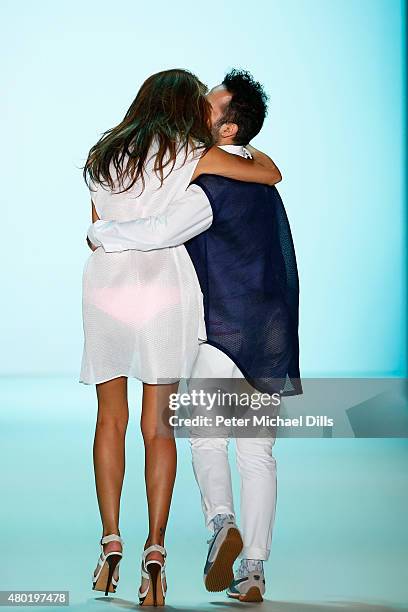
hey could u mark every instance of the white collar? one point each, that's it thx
(236, 150)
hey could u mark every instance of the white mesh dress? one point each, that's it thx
(143, 311)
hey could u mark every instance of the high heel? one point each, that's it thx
(153, 571)
(104, 580)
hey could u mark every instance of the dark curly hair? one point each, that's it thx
(248, 106)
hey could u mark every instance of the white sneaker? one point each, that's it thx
(225, 546)
(248, 588)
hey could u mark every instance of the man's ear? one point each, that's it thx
(228, 130)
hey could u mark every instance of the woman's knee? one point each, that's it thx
(156, 434)
(112, 422)
(113, 411)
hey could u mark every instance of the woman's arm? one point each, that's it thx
(260, 169)
(94, 218)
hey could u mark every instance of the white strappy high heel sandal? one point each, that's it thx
(103, 580)
(154, 572)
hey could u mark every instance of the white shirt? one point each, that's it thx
(184, 218)
(143, 313)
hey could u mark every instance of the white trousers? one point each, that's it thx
(256, 467)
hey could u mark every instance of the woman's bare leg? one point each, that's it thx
(160, 460)
(109, 454)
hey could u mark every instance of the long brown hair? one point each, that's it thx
(171, 106)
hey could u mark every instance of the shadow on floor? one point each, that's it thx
(267, 606)
(299, 606)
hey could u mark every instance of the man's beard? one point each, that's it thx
(215, 130)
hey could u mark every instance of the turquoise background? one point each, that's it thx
(335, 73)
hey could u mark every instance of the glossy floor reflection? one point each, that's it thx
(341, 535)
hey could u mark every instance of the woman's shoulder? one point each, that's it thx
(93, 187)
(195, 148)
(188, 153)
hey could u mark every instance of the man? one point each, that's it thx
(239, 240)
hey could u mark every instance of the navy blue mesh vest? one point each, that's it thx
(246, 266)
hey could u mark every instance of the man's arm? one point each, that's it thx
(184, 218)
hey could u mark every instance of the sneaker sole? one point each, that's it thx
(221, 573)
(253, 596)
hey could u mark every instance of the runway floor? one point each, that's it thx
(341, 532)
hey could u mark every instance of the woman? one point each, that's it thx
(143, 311)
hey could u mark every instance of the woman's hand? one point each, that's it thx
(266, 162)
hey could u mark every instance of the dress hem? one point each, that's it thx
(103, 380)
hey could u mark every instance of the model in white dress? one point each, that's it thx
(142, 311)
